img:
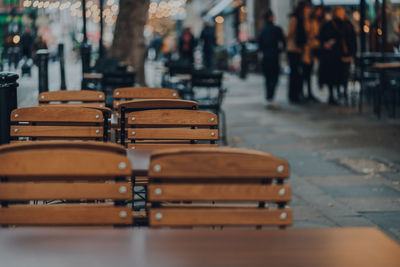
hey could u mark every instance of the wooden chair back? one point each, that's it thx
(131, 93)
(58, 123)
(85, 98)
(148, 104)
(89, 181)
(195, 178)
(162, 128)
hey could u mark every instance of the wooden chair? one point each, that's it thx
(91, 181)
(148, 104)
(85, 98)
(131, 93)
(58, 123)
(223, 175)
(165, 128)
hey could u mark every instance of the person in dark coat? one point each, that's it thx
(209, 41)
(271, 43)
(187, 44)
(27, 41)
(339, 46)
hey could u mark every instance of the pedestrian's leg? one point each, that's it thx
(292, 77)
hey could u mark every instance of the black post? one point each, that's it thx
(101, 49)
(8, 102)
(362, 24)
(384, 27)
(63, 85)
(43, 60)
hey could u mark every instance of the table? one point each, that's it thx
(329, 247)
(382, 68)
(140, 160)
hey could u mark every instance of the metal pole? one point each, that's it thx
(8, 102)
(84, 21)
(43, 58)
(63, 85)
(362, 24)
(384, 27)
(101, 51)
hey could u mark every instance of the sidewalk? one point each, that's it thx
(345, 167)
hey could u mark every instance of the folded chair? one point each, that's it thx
(91, 180)
(216, 187)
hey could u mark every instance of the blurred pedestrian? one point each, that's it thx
(187, 44)
(27, 41)
(338, 39)
(296, 41)
(271, 43)
(311, 48)
(207, 36)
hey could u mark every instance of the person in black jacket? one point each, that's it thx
(209, 41)
(187, 44)
(271, 43)
(339, 45)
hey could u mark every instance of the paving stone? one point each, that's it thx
(361, 191)
(371, 204)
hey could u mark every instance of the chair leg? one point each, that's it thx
(221, 114)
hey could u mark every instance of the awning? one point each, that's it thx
(218, 8)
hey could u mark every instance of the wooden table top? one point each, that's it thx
(140, 160)
(386, 66)
(328, 247)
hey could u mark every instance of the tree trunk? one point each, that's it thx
(129, 44)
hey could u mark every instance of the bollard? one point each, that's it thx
(43, 62)
(63, 85)
(86, 50)
(8, 102)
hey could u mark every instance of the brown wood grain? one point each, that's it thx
(157, 103)
(311, 247)
(219, 216)
(172, 117)
(172, 134)
(64, 191)
(158, 145)
(216, 163)
(145, 93)
(218, 192)
(55, 113)
(64, 214)
(64, 144)
(75, 95)
(56, 131)
(59, 162)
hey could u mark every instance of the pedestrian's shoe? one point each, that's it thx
(333, 102)
(271, 105)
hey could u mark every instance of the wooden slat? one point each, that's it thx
(80, 95)
(56, 131)
(71, 214)
(24, 145)
(220, 216)
(157, 104)
(84, 105)
(172, 134)
(55, 113)
(172, 117)
(216, 163)
(63, 162)
(145, 93)
(64, 191)
(166, 145)
(218, 192)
